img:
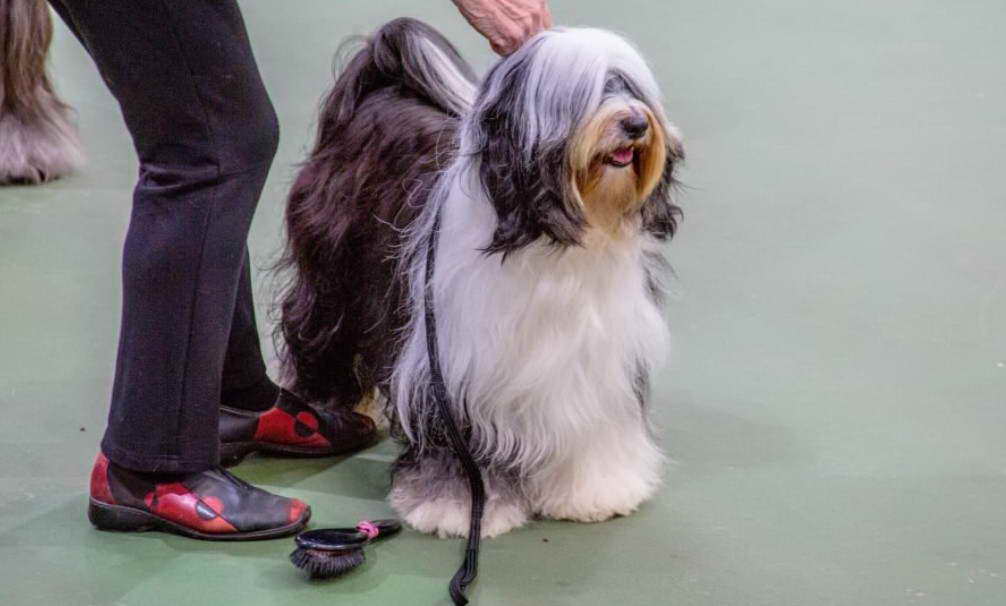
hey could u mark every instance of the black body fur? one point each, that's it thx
(383, 135)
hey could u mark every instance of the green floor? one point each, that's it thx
(835, 408)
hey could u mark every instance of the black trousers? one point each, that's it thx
(205, 133)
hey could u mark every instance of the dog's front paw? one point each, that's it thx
(502, 516)
(586, 490)
(432, 496)
(450, 516)
(447, 518)
(443, 517)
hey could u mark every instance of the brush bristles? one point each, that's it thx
(326, 564)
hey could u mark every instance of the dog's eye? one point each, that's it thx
(614, 84)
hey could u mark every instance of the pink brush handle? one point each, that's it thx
(367, 527)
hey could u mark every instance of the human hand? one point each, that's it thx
(506, 23)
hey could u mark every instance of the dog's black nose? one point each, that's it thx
(635, 126)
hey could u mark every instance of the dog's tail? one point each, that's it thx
(405, 53)
(415, 55)
(25, 33)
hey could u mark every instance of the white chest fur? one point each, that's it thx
(545, 348)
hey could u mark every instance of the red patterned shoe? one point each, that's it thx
(293, 428)
(212, 505)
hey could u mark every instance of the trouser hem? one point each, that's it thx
(158, 463)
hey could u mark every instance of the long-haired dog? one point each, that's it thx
(551, 179)
(37, 140)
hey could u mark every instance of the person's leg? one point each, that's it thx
(205, 133)
(245, 384)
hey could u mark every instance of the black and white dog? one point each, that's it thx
(550, 180)
(37, 140)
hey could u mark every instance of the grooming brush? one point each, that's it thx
(331, 552)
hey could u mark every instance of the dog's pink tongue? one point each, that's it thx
(622, 155)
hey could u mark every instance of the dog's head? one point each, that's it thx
(569, 136)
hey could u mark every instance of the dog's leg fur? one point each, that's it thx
(606, 474)
(431, 494)
(37, 140)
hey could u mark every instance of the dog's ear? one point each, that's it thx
(526, 181)
(660, 214)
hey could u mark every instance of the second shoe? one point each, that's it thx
(292, 427)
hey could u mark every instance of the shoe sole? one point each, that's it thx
(119, 518)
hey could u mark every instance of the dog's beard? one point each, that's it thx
(613, 174)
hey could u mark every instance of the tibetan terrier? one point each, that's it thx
(37, 140)
(548, 183)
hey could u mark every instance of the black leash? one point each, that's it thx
(470, 566)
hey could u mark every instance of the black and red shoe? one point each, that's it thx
(292, 427)
(211, 505)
